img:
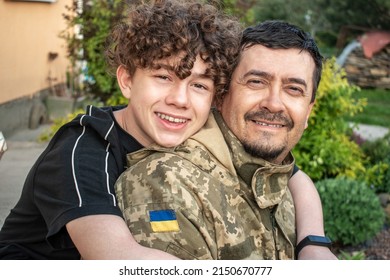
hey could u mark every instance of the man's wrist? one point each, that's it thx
(313, 240)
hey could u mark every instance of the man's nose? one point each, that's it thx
(272, 100)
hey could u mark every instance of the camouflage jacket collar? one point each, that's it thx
(268, 180)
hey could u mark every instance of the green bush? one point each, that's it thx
(378, 155)
(326, 150)
(377, 150)
(377, 176)
(359, 255)
(352, 211)
(56, 125)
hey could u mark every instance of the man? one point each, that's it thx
(214, 196)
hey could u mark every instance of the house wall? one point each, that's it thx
(29, 32)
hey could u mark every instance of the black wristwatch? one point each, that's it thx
(313, 240)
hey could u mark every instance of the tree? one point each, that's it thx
(374, 14)
(304, 13)
(242, 9)
(92, 21)
(327, 17)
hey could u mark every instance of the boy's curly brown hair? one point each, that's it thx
(165, 28)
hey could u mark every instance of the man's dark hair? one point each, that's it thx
(275, 34)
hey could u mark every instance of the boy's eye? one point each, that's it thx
(200, 86)
(162, 77)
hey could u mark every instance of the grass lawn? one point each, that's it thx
(377, 111)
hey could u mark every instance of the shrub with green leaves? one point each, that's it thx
(378, 176)
(359, 255)
(326, 150)
(57, 123)
(378, 154)
(352, 211)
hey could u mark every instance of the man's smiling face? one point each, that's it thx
(268, 104)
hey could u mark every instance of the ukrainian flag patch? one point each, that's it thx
(163, 220)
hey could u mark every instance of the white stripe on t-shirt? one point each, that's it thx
(105, 164)
(73, 167)
(108, 175)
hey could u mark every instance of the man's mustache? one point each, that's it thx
(265, 115)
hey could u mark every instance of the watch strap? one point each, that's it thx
(313, 240)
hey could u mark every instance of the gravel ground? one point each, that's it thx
(380, 247)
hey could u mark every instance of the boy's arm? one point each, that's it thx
(108, 237)
(309, 218)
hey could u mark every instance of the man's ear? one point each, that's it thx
(308, 113)
(124, 81)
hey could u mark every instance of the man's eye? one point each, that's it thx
(256, 83)
(296, 90)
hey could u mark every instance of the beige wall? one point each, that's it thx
(28, 32)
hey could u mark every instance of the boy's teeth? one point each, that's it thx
(171, 119)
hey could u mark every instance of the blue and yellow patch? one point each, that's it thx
(163, 220)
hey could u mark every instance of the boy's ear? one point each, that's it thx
(124, 81)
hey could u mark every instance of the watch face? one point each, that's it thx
(319, 239)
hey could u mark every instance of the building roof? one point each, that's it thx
(373, 42)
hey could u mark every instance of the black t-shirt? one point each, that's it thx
(72, 178)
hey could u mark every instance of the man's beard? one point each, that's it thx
(264, 148)
(265, 151)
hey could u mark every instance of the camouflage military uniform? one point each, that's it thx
(208, 199)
